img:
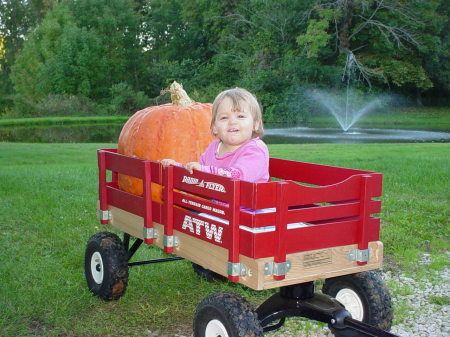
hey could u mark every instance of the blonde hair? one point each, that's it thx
(238, 96)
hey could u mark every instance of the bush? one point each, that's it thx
(207, 94)
(64, 105)
(124, 100)
(294, 105)
(56, 105)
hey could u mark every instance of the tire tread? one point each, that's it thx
(374, 291)
(115, 265)
(236, 310)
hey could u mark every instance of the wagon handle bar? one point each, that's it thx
(366, 329)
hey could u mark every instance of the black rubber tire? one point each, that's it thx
(207, 274)
(110, 255)
(236, 315)
(373, 294)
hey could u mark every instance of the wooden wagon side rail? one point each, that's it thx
(111, 195)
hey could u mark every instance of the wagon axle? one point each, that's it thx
(137, 243)
(300, 300)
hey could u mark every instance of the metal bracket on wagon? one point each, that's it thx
(171, 241)
(236, 269)
(360, 255)
(150, 233)
(277, 269)
(104, 215)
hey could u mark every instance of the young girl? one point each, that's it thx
(238, 152)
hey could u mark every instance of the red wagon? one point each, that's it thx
(309, 222)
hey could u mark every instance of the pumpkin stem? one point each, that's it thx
(178, 95)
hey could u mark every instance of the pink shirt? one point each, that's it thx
(250, 162)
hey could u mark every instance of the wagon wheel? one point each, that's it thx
(207, 274)
(106, 266)
(365, 296)
(226, 315)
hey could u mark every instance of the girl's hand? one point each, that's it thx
(167, 162)
(193, 166)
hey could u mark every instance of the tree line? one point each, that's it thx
(85, 57)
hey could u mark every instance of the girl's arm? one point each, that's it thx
(193, 166)
(168, 162)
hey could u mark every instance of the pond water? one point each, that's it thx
(109, 133)
(353, 135)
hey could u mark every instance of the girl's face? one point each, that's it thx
(233, 128)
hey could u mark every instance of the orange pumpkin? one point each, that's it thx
(179, 130)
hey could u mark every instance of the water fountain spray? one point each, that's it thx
(346, 113)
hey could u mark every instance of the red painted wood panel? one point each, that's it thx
(190, 201)
(203, 184)
(202, 228)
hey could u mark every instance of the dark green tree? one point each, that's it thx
(384, 39)
(17, 19)
(435, 51)
(110, 52)
(181, 40)
(262, 39)
(76, 53)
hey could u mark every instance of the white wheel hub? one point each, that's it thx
(215, 328)
(97, 267)
(351, 302)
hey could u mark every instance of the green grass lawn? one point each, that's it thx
(48, 196)
(47, 121)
